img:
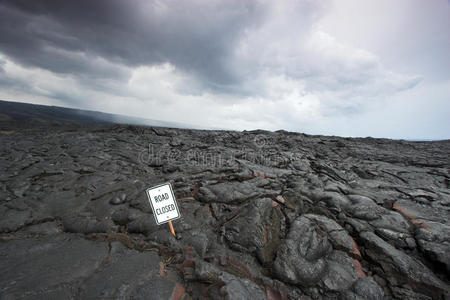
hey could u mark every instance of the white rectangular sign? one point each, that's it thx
(163, 203)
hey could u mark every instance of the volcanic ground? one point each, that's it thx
(264, 215)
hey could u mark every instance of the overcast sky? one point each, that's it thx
(376, 68)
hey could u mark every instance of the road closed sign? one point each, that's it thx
(163, 203)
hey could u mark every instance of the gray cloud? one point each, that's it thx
(227, 47)
(240, 64)
(197, 37)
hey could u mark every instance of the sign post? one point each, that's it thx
(171, 229)
(164, 205)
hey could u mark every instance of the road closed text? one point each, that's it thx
(163, 203)
(165, 209)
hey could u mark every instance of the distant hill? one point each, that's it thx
(44, 114)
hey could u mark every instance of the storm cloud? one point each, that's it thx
(91, 37)
(310, 66)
